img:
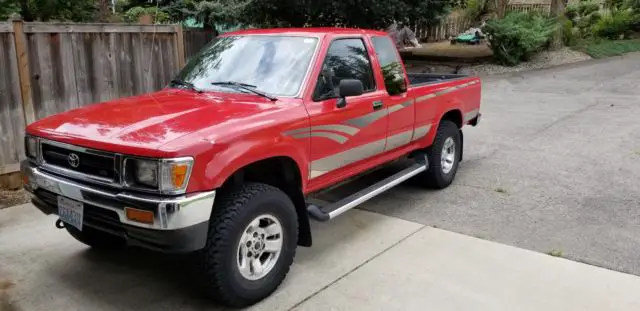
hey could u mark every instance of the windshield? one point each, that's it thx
(275, 65)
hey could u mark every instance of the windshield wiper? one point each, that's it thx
(189, 85)
(247, 87)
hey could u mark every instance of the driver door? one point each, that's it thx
(355, 132)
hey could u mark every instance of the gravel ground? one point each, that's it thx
(13, 197)
(545, 59)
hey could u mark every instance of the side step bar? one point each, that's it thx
(335, 209)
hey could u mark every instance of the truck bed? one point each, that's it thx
(417, 79)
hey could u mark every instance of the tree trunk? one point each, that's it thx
(557, 10)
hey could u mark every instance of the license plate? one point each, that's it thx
(70, 212)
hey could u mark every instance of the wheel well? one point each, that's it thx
(284, 174)
(454, 116)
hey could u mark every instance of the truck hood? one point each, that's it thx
(148, 121)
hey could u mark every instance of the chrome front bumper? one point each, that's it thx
(170, 213)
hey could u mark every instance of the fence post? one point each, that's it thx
(180, 52)
(20, 42)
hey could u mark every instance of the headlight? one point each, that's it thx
(145, 172)
(31, 147)
(165, 175)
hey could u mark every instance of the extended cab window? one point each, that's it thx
(273, 64)
(390, 64)
(346, 59)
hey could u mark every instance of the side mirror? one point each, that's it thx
(348, 87)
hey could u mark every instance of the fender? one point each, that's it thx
(224, 159)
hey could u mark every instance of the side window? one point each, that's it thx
(346, 59)
(390, 64)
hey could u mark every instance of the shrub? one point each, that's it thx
(583, 17)
(614, 26)
(518, 36)
(135, 12)
(571, 13)
(586, 8)
(569, 36)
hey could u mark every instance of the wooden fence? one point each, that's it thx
(47, 68)
(451, 26)
(529, 7)
(456, 24)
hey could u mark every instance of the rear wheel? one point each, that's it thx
(250, 246)
(444, 156)
(95, 238)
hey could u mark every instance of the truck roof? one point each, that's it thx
(316, 31)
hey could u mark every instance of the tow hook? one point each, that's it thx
(59, 224)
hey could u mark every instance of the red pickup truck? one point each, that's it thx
(222, 162)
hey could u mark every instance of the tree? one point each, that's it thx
(47, 10)
(349, 13)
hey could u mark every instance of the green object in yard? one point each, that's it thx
(465, 37)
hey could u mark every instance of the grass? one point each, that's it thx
(555, 253)
(608, 48)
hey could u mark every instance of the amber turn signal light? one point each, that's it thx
(179, 175)
(145, 217)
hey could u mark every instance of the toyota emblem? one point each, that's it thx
(74, 160)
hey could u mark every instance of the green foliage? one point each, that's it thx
(569, 36)
(363, 13)
(583, 17)
(518, 36)
(605, 48)
(133, 14)
(614, 26)
(49, 10)
(476, 8)
(571, 13)
(586, 7)
(8, 7)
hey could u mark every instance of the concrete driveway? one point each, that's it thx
(554, 165)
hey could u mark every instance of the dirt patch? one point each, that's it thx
(13, 197)
(446, 49)
(5, 301)
(545, 59)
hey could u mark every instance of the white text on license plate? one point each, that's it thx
(70, 212)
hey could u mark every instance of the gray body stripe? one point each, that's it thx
(367, 119)
(330, 127)
(338, 160)
(470, 115)
(298, 131)
(420, 132)
(333, 136)
(407, 103)
(425, 97)
(322, 166)
(398, 140)
(371, 117)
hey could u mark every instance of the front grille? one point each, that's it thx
(87, 162)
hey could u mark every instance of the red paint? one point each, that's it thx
(226, 131)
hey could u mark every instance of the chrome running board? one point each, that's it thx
(336, 209)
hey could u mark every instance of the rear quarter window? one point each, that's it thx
(391, 65)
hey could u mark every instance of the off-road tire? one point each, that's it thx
(232, 213)
(95, 238)
(434, 177)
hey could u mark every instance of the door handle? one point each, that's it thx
(377, 104)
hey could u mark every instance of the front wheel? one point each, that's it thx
(252, 239)
(444, 156)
